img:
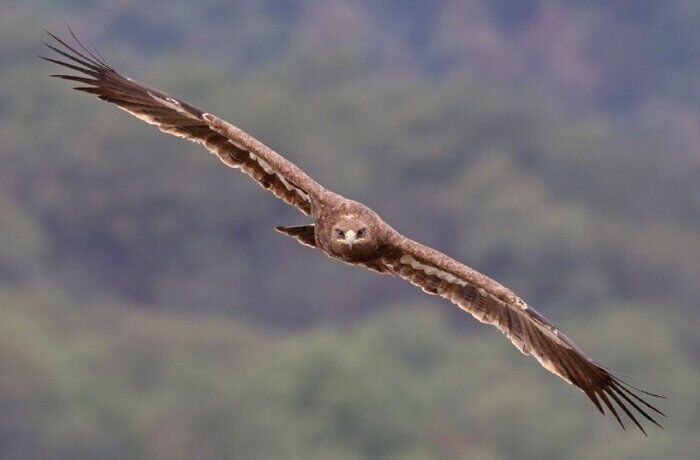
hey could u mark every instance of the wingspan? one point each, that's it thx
(233, 146)
(491, 303)
(434, 272)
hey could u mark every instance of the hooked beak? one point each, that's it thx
(350, 238)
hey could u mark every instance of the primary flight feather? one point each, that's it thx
(349, 231)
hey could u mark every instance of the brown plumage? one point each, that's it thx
(349, 231)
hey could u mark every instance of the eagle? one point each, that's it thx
(351, 232)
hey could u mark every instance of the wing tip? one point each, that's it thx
(91, 61)
(627, 400)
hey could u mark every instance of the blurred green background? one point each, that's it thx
(149, 310)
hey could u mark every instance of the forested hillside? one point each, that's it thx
(554, 146)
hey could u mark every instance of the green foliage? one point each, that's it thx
(22, 241)
(150, 311)
(113, 208)
(110, 381)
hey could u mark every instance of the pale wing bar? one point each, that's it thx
(491, 303)
(178, 118)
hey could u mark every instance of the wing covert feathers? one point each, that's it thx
(174, 116)
(491, 303)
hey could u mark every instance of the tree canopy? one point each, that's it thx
(551, 145)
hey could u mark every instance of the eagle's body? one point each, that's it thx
(350, 231)
(342, 215)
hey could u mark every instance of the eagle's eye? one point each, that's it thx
(339, 233)
(361, 232)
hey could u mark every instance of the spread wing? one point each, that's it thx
(173, 116)
(491, 303)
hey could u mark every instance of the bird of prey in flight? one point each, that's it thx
(349, 231)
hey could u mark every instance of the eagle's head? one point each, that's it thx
(353, 236)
